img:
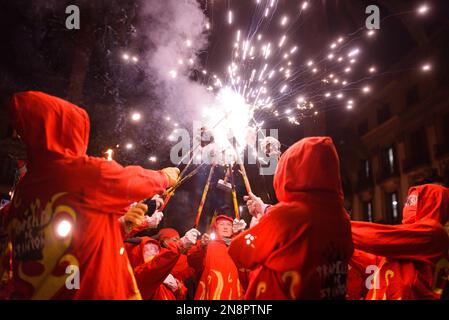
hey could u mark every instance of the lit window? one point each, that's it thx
(392, 203)
(394, 206)
(391, 159)
(368, 211)
(367, 169)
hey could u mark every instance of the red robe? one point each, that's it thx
(412, 258)
(63, 183)
(181, 271)
(358, 275)
(302, 246)
(151, 274)
(218, 277)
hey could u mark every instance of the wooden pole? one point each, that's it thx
(203, 197)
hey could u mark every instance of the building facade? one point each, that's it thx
(399, 137)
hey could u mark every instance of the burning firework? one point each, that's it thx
(267, 78)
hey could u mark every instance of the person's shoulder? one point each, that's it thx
(287, 216)
(100, 164)
(441, 234)
(80, 165)
(289, 210)
(90, 167)
(95, 160)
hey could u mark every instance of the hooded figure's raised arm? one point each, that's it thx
(121, 186)
(418, 241)
(151, 274)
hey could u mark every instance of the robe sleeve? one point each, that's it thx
(195, 258)
(252, 247)
(121, 186)
(418, 241)
(152, 274)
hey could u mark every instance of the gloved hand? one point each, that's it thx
(189, 239)
(171, 282)
(136, 220)
(255, 205)
(254, 221)
(238, 225)
(159, 201)
(172, 175)
(135, 214)
(154, 220)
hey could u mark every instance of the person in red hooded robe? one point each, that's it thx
(6, 283)
(217, 275)
(300, 248)
(407, 261)
(360, 274)
(182, 272)
(153, 265)
(63, 220)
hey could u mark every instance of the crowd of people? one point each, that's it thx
(71, 229)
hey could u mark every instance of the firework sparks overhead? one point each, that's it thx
(228, 121)
(269, 74)
(109, 154)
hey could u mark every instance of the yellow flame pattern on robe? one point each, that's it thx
(261, 288)
(295, 279)
(219, 288)
(54, 250)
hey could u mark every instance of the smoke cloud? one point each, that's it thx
(176, 33)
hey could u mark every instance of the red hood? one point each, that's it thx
(167, 233)
(50, 127)
(135, 252)
(428, 201)
(310, 165)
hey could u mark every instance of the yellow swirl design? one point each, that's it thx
(261, 288)
(295, 279)
(219, 288)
